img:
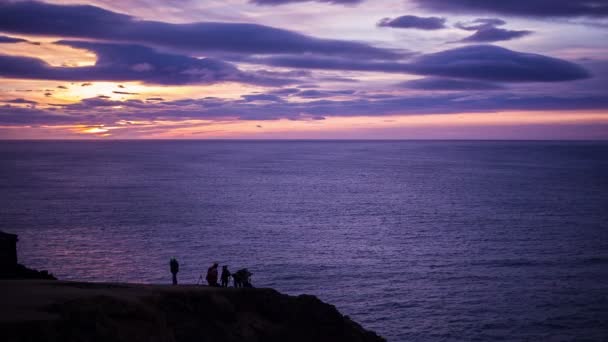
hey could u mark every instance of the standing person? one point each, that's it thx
(225, 276)
(174, 266)
(212, 275)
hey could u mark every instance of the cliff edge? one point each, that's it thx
(36, 310)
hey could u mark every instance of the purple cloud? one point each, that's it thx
(535, 8)
(413, 22)
(261, 97)
(8, 40)
(283, 2)
(493, 63)
(117, 62)
(495, 34)
(478, 62)
(486, 31)
(90, 22)
(258, 107)
(285, 91)
(390, 105)
(316, 94)
(449, 84)
(14, 115)
(481, 23)
(21, 101)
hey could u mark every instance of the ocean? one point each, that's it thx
(416, 240)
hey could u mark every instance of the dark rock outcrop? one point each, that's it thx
(22, 272)
(105, 312)
(8, 251)
(9, 268)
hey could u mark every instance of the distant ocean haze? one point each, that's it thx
(419, 241)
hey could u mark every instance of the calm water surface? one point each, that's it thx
(419, 241)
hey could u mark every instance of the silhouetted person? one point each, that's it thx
(242, 278)
(174, 265)
(212, 275)
(225, 276)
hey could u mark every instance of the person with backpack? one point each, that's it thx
(212, 275)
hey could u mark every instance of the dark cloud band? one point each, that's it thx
(478, 62)
(89, 22)
(118, 62)
(8, 40)
(413, 22)
(262, 107)
(284, 2)
(535, 8)
(486, 31)
(449, 84)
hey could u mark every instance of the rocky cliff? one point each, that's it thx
(37, 310)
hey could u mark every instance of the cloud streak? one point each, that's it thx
(260, 107)
(90, 22)
(118, 62)
(413, 22)
(11, 40)
(486, 31)
(531, 8)
(478, 62)
(284, 2)
(448, 84)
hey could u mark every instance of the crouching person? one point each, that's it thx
(242, 278)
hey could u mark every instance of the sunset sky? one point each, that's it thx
(296, 69)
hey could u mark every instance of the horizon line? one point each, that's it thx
(298, 140)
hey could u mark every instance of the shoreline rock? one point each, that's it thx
(10, 268)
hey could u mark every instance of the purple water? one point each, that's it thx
(419, 241)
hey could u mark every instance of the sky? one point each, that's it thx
(298, 69)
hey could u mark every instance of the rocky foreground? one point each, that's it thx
(43, 310)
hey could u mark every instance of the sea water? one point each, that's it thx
(417, 240)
